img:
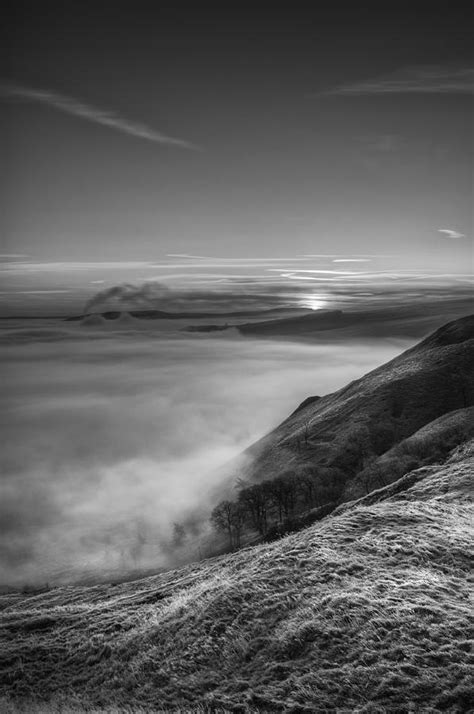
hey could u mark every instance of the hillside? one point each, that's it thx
(344, 434)
(367, 610)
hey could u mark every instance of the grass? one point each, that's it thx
(430, 444)
(352, 428)
(367, 611)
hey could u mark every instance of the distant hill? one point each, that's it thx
(164, 315)
(410, 319)
(367, 610)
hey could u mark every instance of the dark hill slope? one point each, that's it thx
(428, 445)
(345, 432)
(367, 610)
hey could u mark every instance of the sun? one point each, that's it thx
(314, 302)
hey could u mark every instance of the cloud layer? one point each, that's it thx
(109, 440)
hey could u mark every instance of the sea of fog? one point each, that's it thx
(113, 434)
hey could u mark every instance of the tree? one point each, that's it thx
(306, 483)
(238, 520)
(282, 491)
(331, 482)
(228, 517)
(254, 501)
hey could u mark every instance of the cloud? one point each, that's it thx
(236, 261)
(355, 255)
(35, 292)
(148, 295)
(449, 233)
(352, 260)
(14, 265)
(317, 272)
(351, 278)
(232, 293)
(413, 80)
(102, 117)
(22, 268)
(107, 441)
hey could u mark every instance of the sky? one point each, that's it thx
(135, 132)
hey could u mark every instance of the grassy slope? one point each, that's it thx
(372, 414)
(365, 610)
(428, 445)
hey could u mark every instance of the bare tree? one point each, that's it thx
(283, 493)
(254, 500)
(228, 517)
(238, 520)
(307, 483)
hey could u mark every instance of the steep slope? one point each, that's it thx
(367, 610)
(428, 445)
(345, 432)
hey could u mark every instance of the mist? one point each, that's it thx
(112, 437)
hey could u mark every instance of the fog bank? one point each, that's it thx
(110, 439)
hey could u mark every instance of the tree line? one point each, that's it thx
(273, 506)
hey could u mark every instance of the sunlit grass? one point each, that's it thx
(367, 610)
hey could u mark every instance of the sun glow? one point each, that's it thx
(314, 302)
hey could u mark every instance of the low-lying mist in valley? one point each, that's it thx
(110, 438)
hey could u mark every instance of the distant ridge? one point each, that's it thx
(412, 320)
(165, 315)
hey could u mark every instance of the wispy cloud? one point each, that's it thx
(373, 278)
(34, 292)
(93, 114)
(449, 233)
(23, 268)
(181, 262)
(352, 260)
(318, 272)
(355, 256)
(413, 80)
(236, 261)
